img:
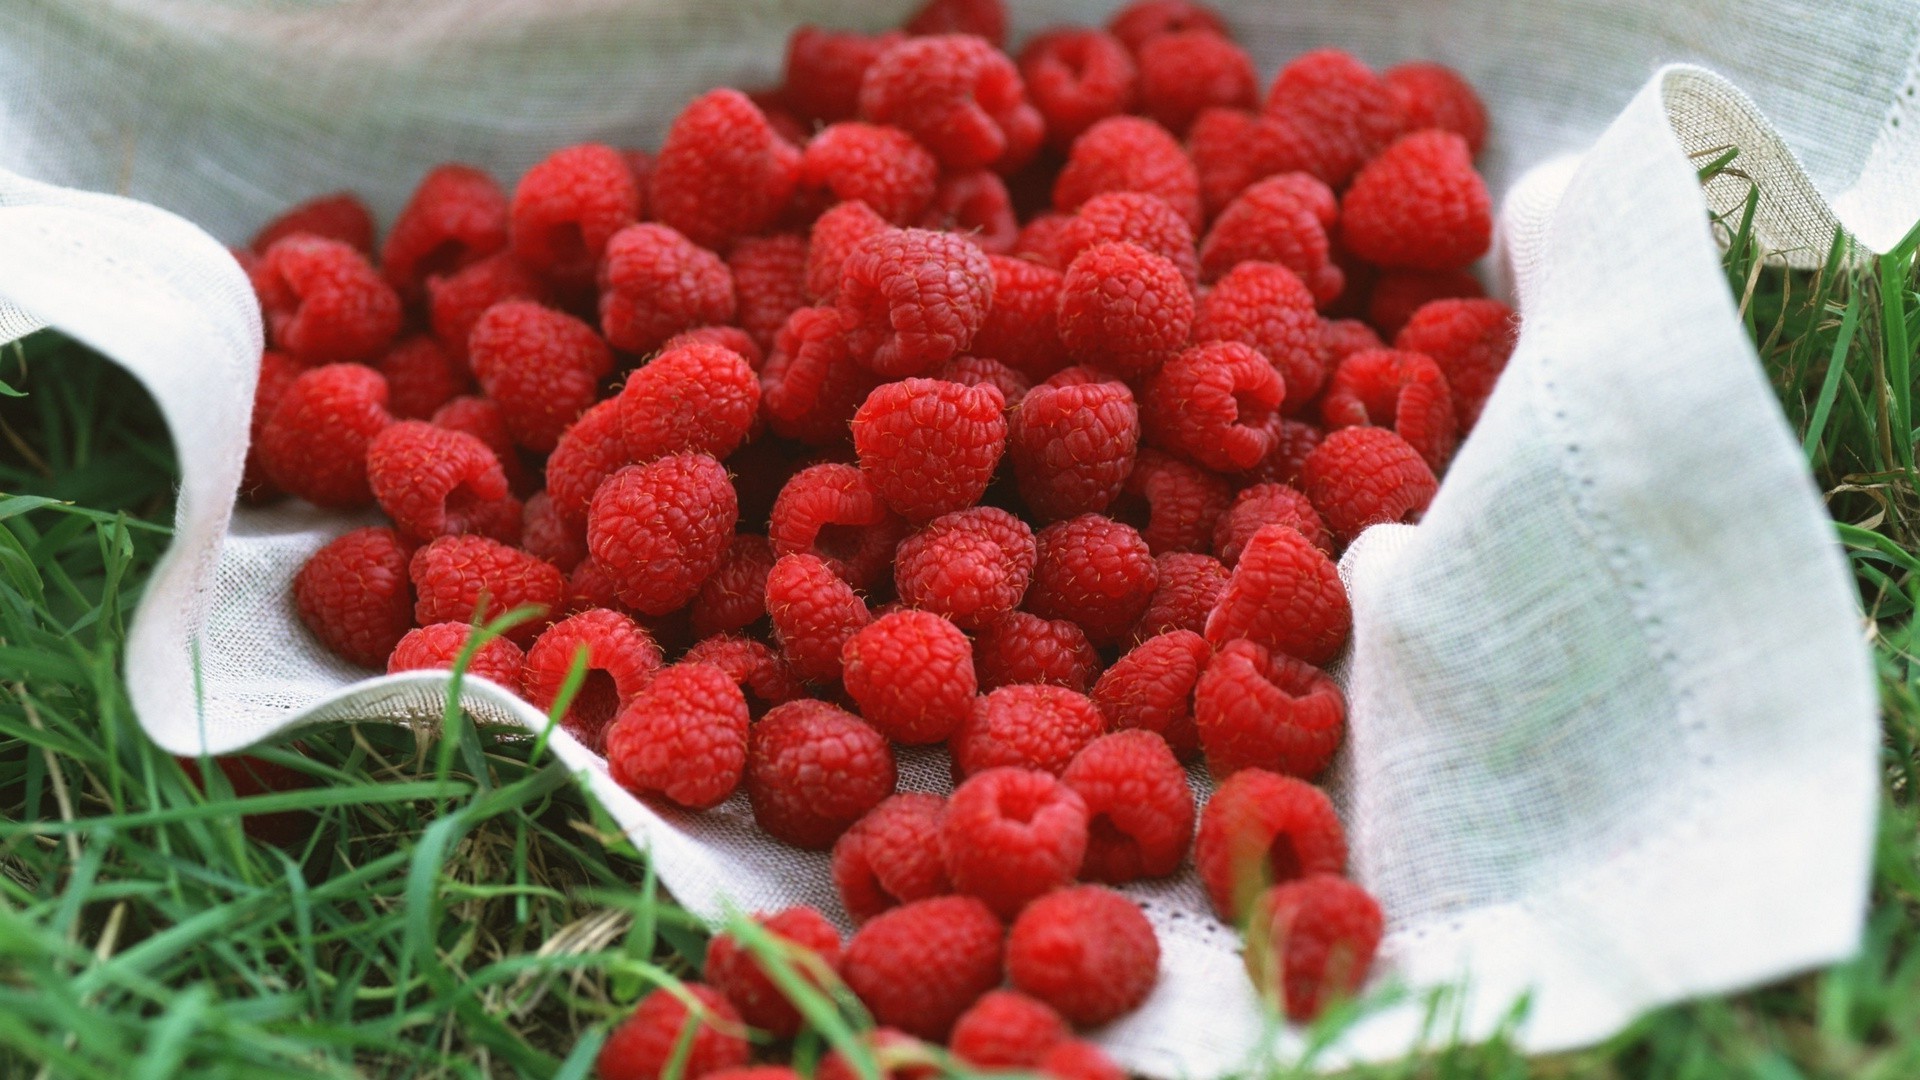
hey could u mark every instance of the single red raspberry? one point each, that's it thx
(1129, 153)
(1190, 585)
(655, 282)
(1073, 447)
(834, 236)
(542, 366)
(1043, 239)
(1087, 951)
(911, 299)
(1261, 829)
(340, 216)
(1077, 1059)
(456, 301)
(1471, 341)
(1311, 942)
(421, 377)
(1185, 72)
(976, 204)
(1233, 149)
(1012, 834)
(813, 770)
(734, 596)
(434, 482)
(695, 397)
(1436, 96)
(814, 612)
(825, 69)
(1173, 503)
(722, 172)
(1095, 571)
(1266, 306)
(646, 1045)
(1077, 77)
(959, 96)
(1020, 329)
(834, 511)
(661, 528)
(891, 856)
(763, 677)
(457, 216)
(1214, 403)
(438, 648)
(323, 303)
(1347, 112)
(480, 417)
(471, 578)
(1022, 648)
(1285, 594)
(1151, 689)
(545, 534)
(1139, 808)
(1027, 726)
(1293, 440)
(919, 966)
(588, 452)
(769, 284)
(314, 445)
(930, 447)
(590, 586)
(1365, 476)
(731, 338)
(567, 207)
(1136, 218)
(1403, 390)
(1342, 338)
(811, 384)
(1400, 293)
(911, 672)
(1143, 20)
(353, 594)
(972, 566)
(899, 1056)
(1267, 710)
(1260, 505)
(683, 737)
(1283, 219)
(981, 18)
(986, 371)
(879, 165)
(1006, 1029)
(807, 942)
(1419, 205)
(277, 372)
(620, 659)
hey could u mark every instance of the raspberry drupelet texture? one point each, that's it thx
(1077, 77)
(434, 482)
(976, 204)
(1418, 206)
(340, 216)
(314, 445)
(1190, 584)
(1073, 446)
(1185, 72)
(912, 299)
(587, 452)
(1024, 648)
(1094, 571)
(683, 737)
(1174, 503)
(833, 237)
(769, 284)
(763, 676)
(879, 165)
(1124, 309)
(1344, 111)
(1343, 337)
(814, 612)
(1010, 835)
(930, 447)
(1021, 329)
(1260, 505)
(1363, 476)
(695, 397)
(1283, 219)
(457, 216)
(722, 172)
(1136, 218)
(1266, 306)
(731, 338)
(277, 372)
(1311, 942)
(1143, 20)
(480, 417)
(891, 856)
(1043, 239)
(986, 371)
(661, 528)
(1394, 388)
(981, 18)
(1267, 710)
(1435, 96)
(1028, 726)
(1260, 829)
(656, 282)
(353, 594)
(1471, 340)
(1293, 440)
(456, 301)
(645, 1044)
(588, 586)
(1151, 689)
(959, 96)
(734, 596)
(919, 966)
(1129, 153)
(1006, 1029)
(972, 566)
(438, 648)
(544, 533)
(464, 578)
(1285, 594)
(911, 673)
(1399, 293)
(1232, 149)
(814, 769)
(1087, 951)
(621, 658)
(1139, 808)
(835, 512)
(1214, 404)
(323, 303)
(825, 69)
(567, 207)
(421, 376)
(542, 366)
(807, 942)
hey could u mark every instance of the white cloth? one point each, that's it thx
(1613, 732)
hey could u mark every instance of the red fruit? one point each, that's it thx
(1435, 96)
(567, 207)
(911, 299)
(471, 578)
(1077, 77)
(1128, 153)
(1139, 808)
(661, 528)
(1010, 835)
(722, 173)
(1265, 305)
(1402, 390)
(456, 301)
(1312, 941)
(1095, 571)
(1173, 503)
(354, 596)
(959, 96)
(972, 566)
(1024, 648)
(981, 18)
(734, 596)
(1400, 293)
(769, 284)
(1136, 218)
(807, 942)
(590, 450)
(986, 371)
(1283, 219)
(456, 217)
(1073, 447)
(1087, 951)
(620, 659)
(919, 966)
(1190, 584)
(1293, 440)
(438, 648)
(696, 397)
(434, 482)
(1143, 20)
(340, 216)
(1232, 149)
(1345, 112)
(930, 447)
(323, 303)
(1261, 829)
(814, 612)
(1021, 328)
(1185, 72)
(891, 856)
(975, 203)
(833, 511)
(1471, 340)
(1285, 594)
(421, 377)
(1260, 505)
(813, 770)
(1151, 689)
(1365, 476)
(911, 672)
(881, 166)
(763, 677)
(1043, 239)
(1079, 1060)
(542, 367)
(825, 69)
(646, 1044)
(656, 282)
(1258, 709)
(834, 236)
(1029, 726)
(545, 534)
(314, 445)
(1124, 308)
(277, 372)
(1419, 205)
(1214, 403)
(683, 737)
(1006, 1029)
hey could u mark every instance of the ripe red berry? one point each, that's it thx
(881, 166)
(434, 482)
(438, 648)
(655, 282)
(620, 659)
(1471, 340)
(1139, 808)
(468, 578)
(1311, 942)
(1261, 829)
(891, 856)
(1073, 447)
(1215, 404)
(1293, 440)
(1189, 586)
(976, 204)
(814, 612)
(1006, 1029)
(1124, 309)
(591, 449)
(1143, 20)
(697, 397)
(567, 207)
(1151, 689)
(981, 18)
(1419, 205)
(762, 675)
(930, 447)
(683, 737)
(722, 173)
(825, 69)
(314, 445)
(1136, 218)
(1266, 306)
(1392, 388)
(421, 376)
(972, 566)
(1363, 476)
(456, 301)
(1021, 329)
(807, 942)
(456, 217)
(1187, 71)
(1094, 571)
(911, 672)
(1077, 77)
(986, 371)
(1129, 153)
(834, 511)
(1024, 648)
(1344, 111)
(769, 284)
(911, 299)
(1030, 726)
(1283, 219)
(1397, 294)
(961, 97)
(646, 1044)
(899, 1056)
(354, 595)
(1232, 149)
(340, 216)
(1267, 710)
(1173, 503)
(1077, 1059)
(542, 367)
(1087, 951)
(661, 528)
(1435, 96)
(1260, 505)
(1010, 835)
(734, 596)
(813, 770)
(323, 303)
(1286, 595)
(919, 966)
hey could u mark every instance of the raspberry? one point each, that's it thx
(814, 612)
(1400, 293)
(1020, 329)
(1293, 440)
(1173, 503)
(1259, 709)
(1151, 689)
(825, 68)
(1342, 338)
(1143, 20)
(807, 941)
(734, 596)
(340, 216)
(833, 511)
(911, 299)
(972, 566)
(1435, 96)
(1260, 505)
(881, 166)
(834, 236)
(1024, 648)
(1128, 153)
(929, 447)
(466, 579)
(1145, 220)
(661, 528)
(586, 453)
(1261, 828)
(1012, 834)
(1087, 951)
(985, 371)
(919, 966)
(1266, 306)
(1232, 149)
(1077, 77)
(891, 856)
(900, 1057)
(1214, 403)
(1095, 571)
(645, 1045)
(353, 594)
(912, 674)
(314, 445)
(1471, 340)
(543, 533)
(1184, 72)
(981, 18)
(1363, 476)
(1027, 726)
(456, 217)
(1312, 941)
(959, 96)
(731, 338)
(722, 172)
(434, 482)
(1418, 206)
(621, 659)
(323, 303)
(567, 207)
(975, 204)
(1283, 219)
(655, 282)
(438, 648)
(542, 366)
(1407, 388)
(1043, 239)
(1073, 446)
(1006, 1029)
(811, 385)
(1286, 595)
(1139, 808)
(1078, 1060)
(1348, 113)
(813, 770)
(421, 377)
(589, 586)
(277, 372)
(696, 397)
(684, 736)
(763, 677)
(769, 284)
(1189, 587)
(480, 417)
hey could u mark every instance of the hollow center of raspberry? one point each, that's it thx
(594, 707)
(837, 541)
(1249, 410)
(1021, 806)
(1283, 859)
(1104, 834)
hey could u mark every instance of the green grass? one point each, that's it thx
(457, 908)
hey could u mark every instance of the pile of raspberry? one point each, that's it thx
(1018, 403)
